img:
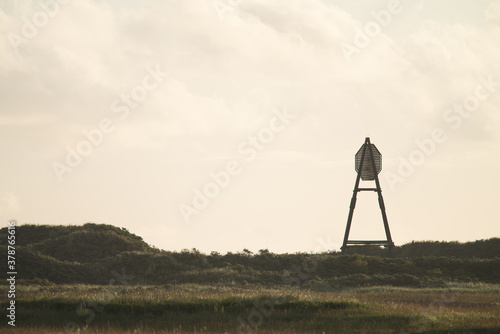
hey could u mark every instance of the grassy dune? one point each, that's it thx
(104, 279)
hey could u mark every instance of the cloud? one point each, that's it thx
(9, 202)
(492, 13)
(225, 77)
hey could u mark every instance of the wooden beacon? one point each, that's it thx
(368, 164)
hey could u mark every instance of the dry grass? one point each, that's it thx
(456, 308)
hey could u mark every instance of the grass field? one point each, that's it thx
(457, 308)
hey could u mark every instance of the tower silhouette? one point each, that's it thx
(368, 164)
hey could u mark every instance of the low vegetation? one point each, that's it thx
(89, 254)
(104, 279)
(456, 308)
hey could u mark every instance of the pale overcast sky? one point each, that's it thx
(123, 113)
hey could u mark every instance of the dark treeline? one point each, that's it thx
(104, 254)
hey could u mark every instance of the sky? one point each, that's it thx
(229, 124)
